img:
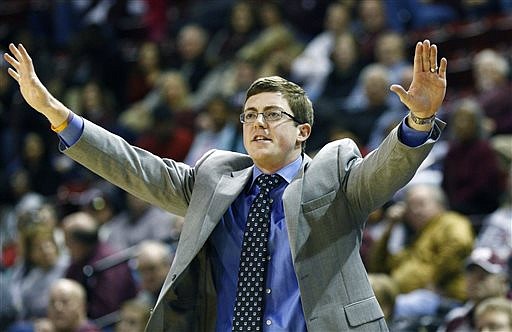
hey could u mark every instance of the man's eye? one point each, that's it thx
(273, 115)
(250, 115)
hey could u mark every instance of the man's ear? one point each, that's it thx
(304, 132)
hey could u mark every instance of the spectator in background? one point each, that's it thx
(239, 31)
(496, 231)
(153, 260)
(190, 59)
(275, 47)
(36, 163)
(97, 103)
(106, 285)
(389, 51)
(486, 277)
(313, 65)
(236, 81)
(165, 137)
(133, 317)
(337, 86)
(493, 89)
(430, 264)
(389, 119)
(138, 222)
(39, 266)
(361, 116)
(472, 176)
(67, 308)
(494, 314)
(144, 74)
(370, 22)
(217, 128)
(174, 93)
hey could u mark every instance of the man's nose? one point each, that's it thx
(260, 120)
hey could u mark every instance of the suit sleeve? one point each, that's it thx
(161, 182)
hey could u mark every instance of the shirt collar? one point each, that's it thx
(287, 173)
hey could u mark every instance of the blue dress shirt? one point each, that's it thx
(283, 309)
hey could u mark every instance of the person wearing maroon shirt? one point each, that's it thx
(107, 285)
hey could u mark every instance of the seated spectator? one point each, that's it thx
(474, 190)
(276, 46)
(338, 84)
(36, 163)
(67, 309)
(138, 222)
(144, 74)
(152, 262)
(39, 266)
(107, 283)
(171, 95)
(238, 31)
(389, 55)
(392, 116)
(370, 21)
(494, 314)
(190, 58)
(165, 137)
(133, 317)
(362, 113)
(313, 65)
(491, 76)
(496, 232)
(486, 277)
(431, 259)
(217, 128)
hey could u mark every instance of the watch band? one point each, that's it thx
(422, 121)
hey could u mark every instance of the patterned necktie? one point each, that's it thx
(249, 304)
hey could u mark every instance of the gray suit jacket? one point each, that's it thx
(325, 207)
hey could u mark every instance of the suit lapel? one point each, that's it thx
(291, 202)
(227, 190)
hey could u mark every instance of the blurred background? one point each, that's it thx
(171, 76)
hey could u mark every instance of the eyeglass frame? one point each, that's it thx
(242, 116)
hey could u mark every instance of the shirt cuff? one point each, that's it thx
(72, 133)
(412, 137)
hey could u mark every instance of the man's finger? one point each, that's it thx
(433, 58)
(400, 91)
(426, 55)
(417, 58)
(442, 68)
(11, 61)
(15, 51)
(14, 74)
(24, 53)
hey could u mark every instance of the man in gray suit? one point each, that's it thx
(315, 279)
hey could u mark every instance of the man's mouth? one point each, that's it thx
(260, 138)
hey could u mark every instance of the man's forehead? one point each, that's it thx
(267, 100)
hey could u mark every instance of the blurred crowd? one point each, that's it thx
(78, 254)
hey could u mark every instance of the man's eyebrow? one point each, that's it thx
(269, 107)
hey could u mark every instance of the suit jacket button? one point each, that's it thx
(173, 277)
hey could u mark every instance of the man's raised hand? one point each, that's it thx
(31, 88)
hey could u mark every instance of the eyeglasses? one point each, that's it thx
(270, 115)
